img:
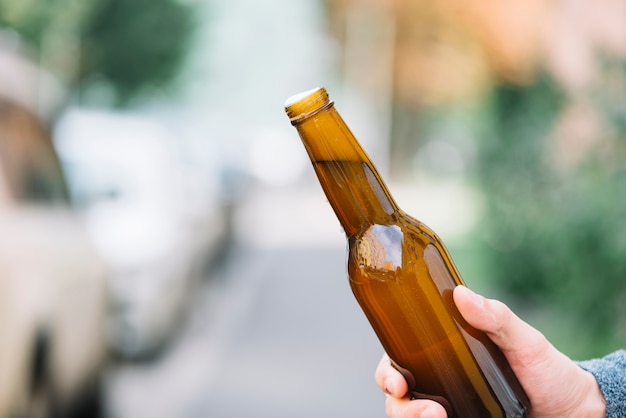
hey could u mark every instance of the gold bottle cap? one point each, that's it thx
(306, 104)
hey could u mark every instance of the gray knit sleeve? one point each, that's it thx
(610, 372)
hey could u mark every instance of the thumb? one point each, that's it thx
(540, 367)
(520, 342)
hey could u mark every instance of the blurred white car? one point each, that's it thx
(153, 220)
(53, 297)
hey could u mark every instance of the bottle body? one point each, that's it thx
(403, 278)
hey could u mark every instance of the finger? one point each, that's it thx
(518, 340)
(389, 379)
(419, 408)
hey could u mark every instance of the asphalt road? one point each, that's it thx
(273, 332)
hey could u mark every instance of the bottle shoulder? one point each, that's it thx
(387, 245)
(398, 227)
(395, 245)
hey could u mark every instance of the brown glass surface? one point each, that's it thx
(403, 277)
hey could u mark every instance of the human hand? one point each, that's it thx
(555, 385)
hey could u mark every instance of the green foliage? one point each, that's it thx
(130, 45)
(136, 44)
(558, 237)
(34, 20)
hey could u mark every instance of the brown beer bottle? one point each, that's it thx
(403, 277)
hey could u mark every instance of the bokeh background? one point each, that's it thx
(166, 250)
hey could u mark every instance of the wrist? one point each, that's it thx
(592, 403)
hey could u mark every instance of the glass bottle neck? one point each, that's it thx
(350, 181)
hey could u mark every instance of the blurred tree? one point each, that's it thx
(553, 173)
(131, 46)
(135, 44)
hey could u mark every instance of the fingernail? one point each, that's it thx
(477, 299)
(388, 387)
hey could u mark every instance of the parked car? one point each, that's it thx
(53, 298)
(153, 221)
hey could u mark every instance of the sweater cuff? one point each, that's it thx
(610, 373)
